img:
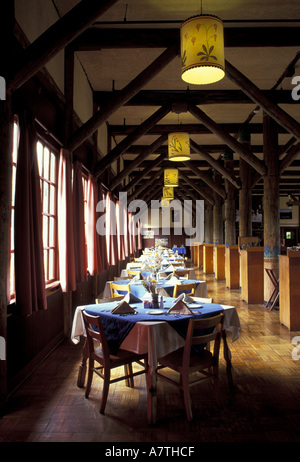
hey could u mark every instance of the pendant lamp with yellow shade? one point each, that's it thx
(202, 50)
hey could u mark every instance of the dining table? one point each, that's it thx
(161, 273)
(164, 287)
(155, 332)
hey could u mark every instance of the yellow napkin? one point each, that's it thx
(179, 307)
(123, 308)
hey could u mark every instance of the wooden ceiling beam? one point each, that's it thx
(197, 188)
(289, 158)
(197, 97)
(157, 176)
(193, 129)
(143, 173)
(216, 165)
(211, 148)
(121, 97)
(274, 111)
(229, 140)
(54, 39)
(138, 160)
(140, 130)
(207, 180)
(97, 38)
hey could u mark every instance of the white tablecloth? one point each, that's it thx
(156, 338)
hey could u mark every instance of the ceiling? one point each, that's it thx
(261, 40)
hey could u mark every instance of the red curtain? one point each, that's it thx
(78, 225)
(93, 245)
(120, 230)
(102, 236)
(65, 223)
(139, 236)
(111, 230)
(29, 262)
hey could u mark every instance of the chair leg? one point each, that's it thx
(187, 397)
(90, 378)
(128, 370)
(106, 383)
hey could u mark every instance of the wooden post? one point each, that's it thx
(217, 214)
(245, 198)
(230, 233)
(208, 223)
(271, 203)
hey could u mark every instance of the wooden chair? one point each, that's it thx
(176, 263)
(186, 288)
(186, 361)
(182, 273)
(119, 289)
(132, 272)
(121, 278)
(100, 354)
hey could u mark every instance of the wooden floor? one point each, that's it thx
(265, 406)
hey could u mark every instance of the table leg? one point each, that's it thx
(227, 357)
(82, 367)
(151, 397)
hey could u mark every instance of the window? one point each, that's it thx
(47, 163)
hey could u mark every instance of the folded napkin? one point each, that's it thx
(123, 308)
(131, 298)
(186, 298)
(136, 278)
(179, 307)
(173, 277)
(170, 268)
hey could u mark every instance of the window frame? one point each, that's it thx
(50, 213)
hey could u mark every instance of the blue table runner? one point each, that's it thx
(117, 327)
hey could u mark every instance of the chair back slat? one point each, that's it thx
(187, 288)
(95, 332)
(119, 289)
(197, 333)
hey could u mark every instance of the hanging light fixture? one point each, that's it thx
(168, 192)
(165, 202)
(171, 177)
(179, 147)
(202, 49)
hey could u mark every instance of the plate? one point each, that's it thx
(155, 312)
(195, 305)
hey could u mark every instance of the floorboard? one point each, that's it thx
(265, 406)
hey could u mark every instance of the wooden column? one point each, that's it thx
(245, 197)
(271, 203)
(208, 223)
(230, 233)
(231, 256)
(217, 214)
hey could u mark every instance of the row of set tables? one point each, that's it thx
(164, 287)
(156, 332)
